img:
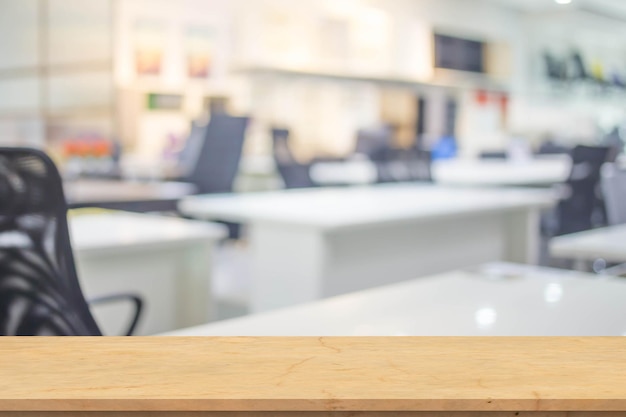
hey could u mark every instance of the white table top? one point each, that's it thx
(134, 166)
(350, 172)
(104, 191)
(112, 231)
(494, 300)
(541, 171)
(608, 243)
(335, 208)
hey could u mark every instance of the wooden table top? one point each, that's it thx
(312, 374)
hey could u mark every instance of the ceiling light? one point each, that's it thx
(563, 1)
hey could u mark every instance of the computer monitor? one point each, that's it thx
(459, 54)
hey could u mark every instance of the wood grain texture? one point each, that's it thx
(312, 414)
(313, 374)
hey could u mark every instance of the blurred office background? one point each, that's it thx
(142, 103)
(135, 75)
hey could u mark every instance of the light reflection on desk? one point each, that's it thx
(537, 302)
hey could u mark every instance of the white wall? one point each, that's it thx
(408, 26)
(578, 113)
(75, 53)
(147, 132)
(389, 38)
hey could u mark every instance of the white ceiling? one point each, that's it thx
(610, 7)
(529, 5)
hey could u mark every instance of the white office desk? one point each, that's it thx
(94, 192)
(539, 172)
(494, 300)
(350, 172)
(311, 244)
(165, 260)
(608, 243)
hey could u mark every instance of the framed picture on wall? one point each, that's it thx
(200, 49)
(149, 39)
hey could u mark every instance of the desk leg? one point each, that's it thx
(288, 265)
(522, 236)
(194, 303)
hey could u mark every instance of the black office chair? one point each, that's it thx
(550, 147)
(420, 165)
(39, 289)
(374, 143)
(575, 211)
(189, 155)
(389, 164)
(217, 162)
(220, 153)
(613, 183)
(402, 165)
(493, 155)
(293, 173)
(614, 193)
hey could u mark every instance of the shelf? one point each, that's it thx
(86, 112)
(453, 78)
(578, 93)
(56, 69)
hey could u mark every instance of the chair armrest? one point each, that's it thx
(136, 300)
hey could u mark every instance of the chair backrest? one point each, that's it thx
(293, 173)
(576, 211)
(374, 142)
(39, 289)
(400, 165)
(218, 162)
(188, 157)
(280, 146)
(421, 165)
(587, 162)
(391, 165)
(614, 192)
